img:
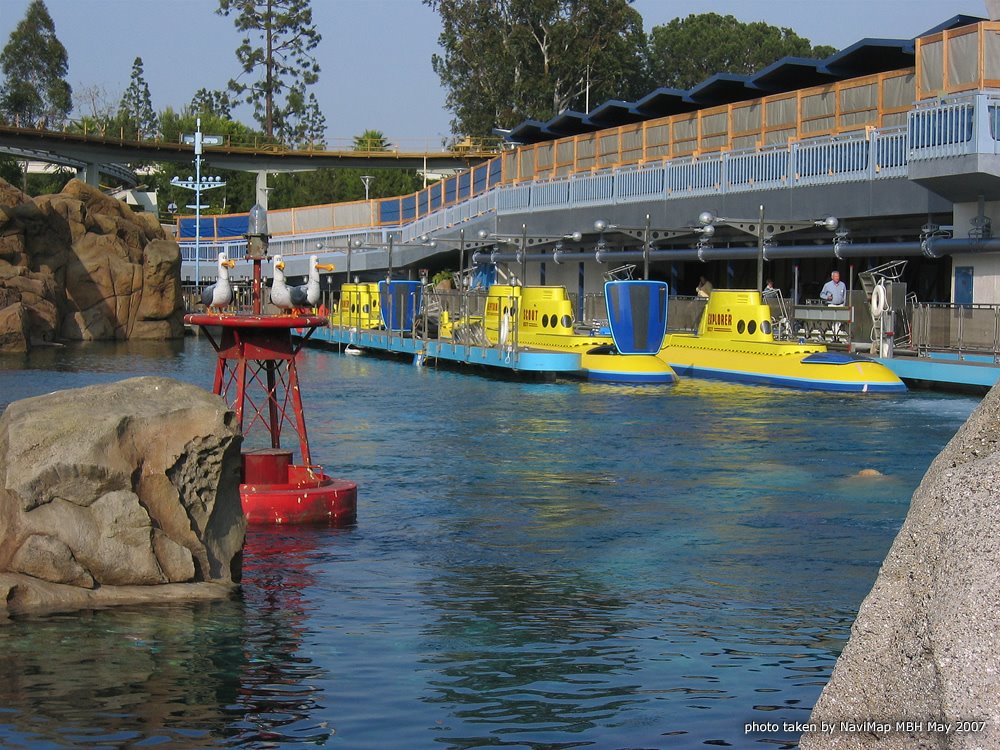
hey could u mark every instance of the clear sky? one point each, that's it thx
(376, 54)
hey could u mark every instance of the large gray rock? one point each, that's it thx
(118, 493)
(925, 647)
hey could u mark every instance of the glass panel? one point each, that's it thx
(510, 166)
(686, 129)
(859, 97)
(931, 68)
(899, 91)
(543, 155)
(746, 118)
(776, 137)
(585, 152)
(609, 148)
(852, 119)
(714, 142)
(813, 126)
(780, 112)
(657, 140)
(963, 60)
(817, 105)
(991, 54)
(745, 141)
(631, 146)
(714, 124)
(527, 164)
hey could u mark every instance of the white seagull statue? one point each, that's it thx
(219, 294)
(305, 296)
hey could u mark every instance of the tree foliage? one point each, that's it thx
(218, 103)
(686, 51)
(34, 65)
(507, 60)
(276, 50)
(304, 125)
(135, 111)
(95, 111)
(371, 140)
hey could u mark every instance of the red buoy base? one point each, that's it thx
(306, 496)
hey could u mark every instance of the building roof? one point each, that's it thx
(862, 58)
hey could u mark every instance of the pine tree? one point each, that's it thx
(34, 65)
(136, 111)
(207, 102)
(278, 39)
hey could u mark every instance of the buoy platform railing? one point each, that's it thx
(256, 375)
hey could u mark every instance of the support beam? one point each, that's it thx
(262, 189)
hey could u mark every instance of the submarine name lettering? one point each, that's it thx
(720, 319)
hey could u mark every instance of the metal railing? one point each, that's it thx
(957, 126)
(879, 154)
(962, 329)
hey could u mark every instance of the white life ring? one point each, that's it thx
(504, 328)
(878, 301)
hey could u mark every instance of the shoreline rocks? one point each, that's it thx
(118, 493)
(921, 667)
(82, 266)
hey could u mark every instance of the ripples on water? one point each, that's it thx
(559, 565)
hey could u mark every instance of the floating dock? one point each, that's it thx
(506, 358)
(945, 370)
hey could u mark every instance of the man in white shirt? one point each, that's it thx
(834, 292)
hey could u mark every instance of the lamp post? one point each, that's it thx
(198, 184)
(766, 232)
(646, 234)
(522, 240)
(367, 180)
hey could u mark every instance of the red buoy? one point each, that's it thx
(255, 373)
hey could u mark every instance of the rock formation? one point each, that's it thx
(921, 668)
(127, 492)
(82, 266)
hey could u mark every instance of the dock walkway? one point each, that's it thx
(519, 359)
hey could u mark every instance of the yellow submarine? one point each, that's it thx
(735, 342)
(358, 306)
(541, 317)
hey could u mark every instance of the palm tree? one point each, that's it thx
(371, 140)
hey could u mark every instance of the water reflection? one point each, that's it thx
(279, 690)
(110, 678)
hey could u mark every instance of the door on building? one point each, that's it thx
(963, 285)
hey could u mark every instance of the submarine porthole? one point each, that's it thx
(765, 326)
(566, 321)
(365, 308)
(740, 327)
(752, 327)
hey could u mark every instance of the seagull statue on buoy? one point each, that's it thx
(305, 296)
(218, 295)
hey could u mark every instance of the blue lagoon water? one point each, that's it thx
(535, 565)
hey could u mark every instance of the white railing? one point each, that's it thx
(946, 129)
(957, 126)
